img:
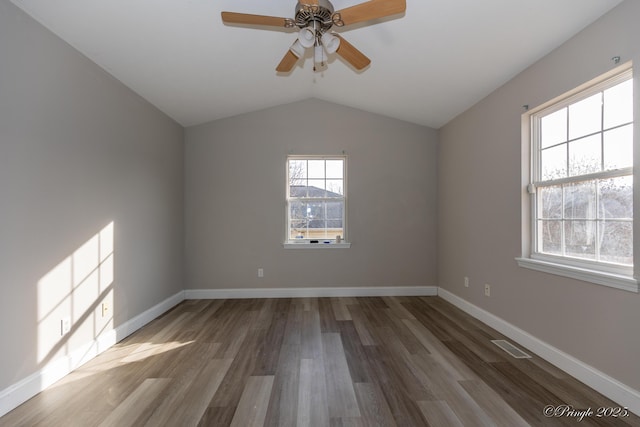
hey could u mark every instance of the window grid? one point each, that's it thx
(331, 200)
(567, 179)
(598, 222)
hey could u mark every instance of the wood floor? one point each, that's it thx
(407, 361)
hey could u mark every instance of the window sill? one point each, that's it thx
(306, 245)
(612, 280)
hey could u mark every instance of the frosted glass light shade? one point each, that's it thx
(297, 48)
(307, 37)
(330, 42)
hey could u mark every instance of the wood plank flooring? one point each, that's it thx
(405, 361)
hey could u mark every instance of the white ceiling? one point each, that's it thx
(428, 65)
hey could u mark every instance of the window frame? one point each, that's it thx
(322, 243)
(600, 272)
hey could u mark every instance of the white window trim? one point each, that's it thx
(613, 280)
(322, 243)
(610, 275)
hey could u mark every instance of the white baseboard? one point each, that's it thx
(25, 389)
(147, 316)
(599, 381)
(311, 292)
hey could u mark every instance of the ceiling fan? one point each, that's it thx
(315, 18)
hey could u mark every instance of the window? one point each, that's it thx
(582, 182)
(316, 200)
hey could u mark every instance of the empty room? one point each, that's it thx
(319, 213)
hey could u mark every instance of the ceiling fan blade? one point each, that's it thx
(352, 55)
(246, 18)
(288, 62)
(372, 9)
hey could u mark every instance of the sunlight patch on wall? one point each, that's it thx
(75, 298)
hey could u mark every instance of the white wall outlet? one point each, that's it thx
(65, 325)
(466, 282)
(261, 272)
(487, 290)
(105, 309)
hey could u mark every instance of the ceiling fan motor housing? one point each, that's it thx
(319, 16)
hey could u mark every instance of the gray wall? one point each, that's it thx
(78, 151)
(479, 209)
(235, 199)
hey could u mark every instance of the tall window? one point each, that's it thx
(582, 178)
(316, 202)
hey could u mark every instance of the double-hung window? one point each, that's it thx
(316, 200)
(582, 184)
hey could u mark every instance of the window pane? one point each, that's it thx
(580, 200)
(617, 242)
(315, 211)
(335, 188)
(297, 172)
(318, 220)
(336, 225)
(297, 211)
(615, 198)
(618, 104)
(334, 228)
(316, 168)
(554, 162)
(316, 224)
(297, 191)
(585, 156)
(580, 239)
(297, 229)
(553, 128)
(316, 188)
(550, 237)
(585, 117)
(335, 169)
(317, 233)
(334, 210)
(297, 220)
(550, 202)
(618, 148)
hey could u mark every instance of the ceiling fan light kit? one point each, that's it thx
(315, 18)
(330, 42)
(297, 49)
(307, 37)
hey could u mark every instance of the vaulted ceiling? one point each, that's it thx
(428, 65)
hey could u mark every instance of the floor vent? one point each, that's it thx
(511, 349)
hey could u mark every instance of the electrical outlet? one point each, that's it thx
(466, 282)
(261, 272)
(487, 290)
(105, 309)
(65, 325)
